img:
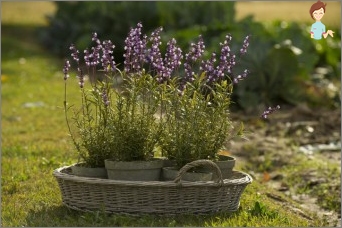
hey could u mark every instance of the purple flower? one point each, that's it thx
(225, 57)
(87, 57)
(66, 69)
(208, 67)
(135, 48)
(93, 58)
(195, 53)
(231, 64)
(107, 59)
(227, 61)
(225, 64)
(95, 55)
(94, 38)
(240, 77)
(105, 98)
(80, 78)
(74, 53)
(172, 60)
(269, 111)
(154, 55)
(243, 50)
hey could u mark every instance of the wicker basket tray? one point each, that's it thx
(157, 197)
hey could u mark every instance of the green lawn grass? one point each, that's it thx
(35, 142)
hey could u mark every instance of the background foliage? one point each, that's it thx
(74, 21)
(282, 57)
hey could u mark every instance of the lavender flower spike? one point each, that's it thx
(240, 77)
(66, 69)
(269, 111)
(195, 53)
(94, 38)
(209, 68)
(105, 98)
(107, 59)
(155, 57)
(74, 53)
(134, 50)
(172, 60)
(80, 78)
(243, 50)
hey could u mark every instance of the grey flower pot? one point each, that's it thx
(134, 170)
(80, 170)
(226, 164)
(167, 162)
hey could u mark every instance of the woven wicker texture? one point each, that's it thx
(157, 197)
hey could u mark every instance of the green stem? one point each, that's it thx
(67, 119)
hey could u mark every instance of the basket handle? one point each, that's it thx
(202, 162)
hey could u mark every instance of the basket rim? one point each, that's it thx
(244, 180)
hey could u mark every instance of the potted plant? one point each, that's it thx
(136, 131)
(196, 118)
(113, 126)
(87, 122)
(196, 125)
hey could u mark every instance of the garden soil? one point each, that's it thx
(313, 132)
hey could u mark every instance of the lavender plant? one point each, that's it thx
(196, 118)
(196, 125)
(109, 123)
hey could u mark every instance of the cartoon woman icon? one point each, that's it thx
(317, 11)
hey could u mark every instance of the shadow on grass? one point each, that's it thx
(63, 216)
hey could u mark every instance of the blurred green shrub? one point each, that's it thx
(282, 58)
(74, 22)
